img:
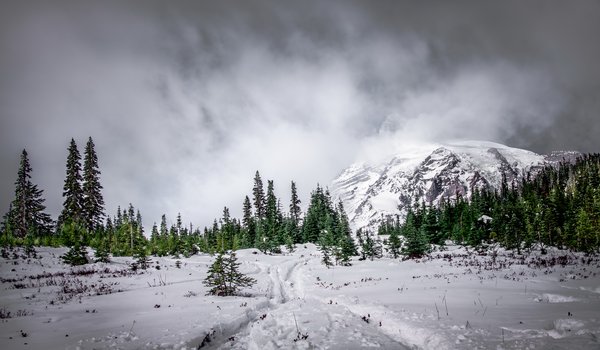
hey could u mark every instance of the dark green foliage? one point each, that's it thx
(248, 225)
(258, 194)
(72, 191)
(393, 243)
(224, 277)
(126, 234)
(76, 255)
(295, 215)
(93, 202)
(416, 242)
(26, 216)
(142, 260)
(369, 246)
(327, 247)
(101, 254)
(559, 206)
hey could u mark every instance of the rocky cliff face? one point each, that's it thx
(429, 173)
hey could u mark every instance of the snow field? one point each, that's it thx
(453, 299)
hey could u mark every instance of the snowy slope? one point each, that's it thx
(450, 300)
(429, 173)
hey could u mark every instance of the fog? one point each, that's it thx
(186, 100)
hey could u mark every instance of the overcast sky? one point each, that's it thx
(186, 100)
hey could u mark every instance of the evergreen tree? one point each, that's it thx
(295, 213)
(26, 215)
(72, 192)
(394, 244)
(258, 193)
(142, 260)
(347, 249)
(417, 244)
(216, 279)
(248, 223)
(370, 248)
(327, 247)
(93, 202)
(224, 278)
(101, 254)
(76, 255)
(272, 216)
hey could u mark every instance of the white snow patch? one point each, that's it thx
(555, 298)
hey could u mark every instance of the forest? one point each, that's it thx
(556, 206)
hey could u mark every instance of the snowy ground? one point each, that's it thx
(451, 300)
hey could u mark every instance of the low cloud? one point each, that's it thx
(186, 102)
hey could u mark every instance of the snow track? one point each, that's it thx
(289, 320)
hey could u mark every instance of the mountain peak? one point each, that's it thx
(429, 172)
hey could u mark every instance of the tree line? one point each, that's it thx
(557, 206)
(82, 222)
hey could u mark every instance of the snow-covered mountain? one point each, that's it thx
(428, 173)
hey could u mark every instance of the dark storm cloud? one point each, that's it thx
(185, 100)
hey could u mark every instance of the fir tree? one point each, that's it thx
(258, 194)
(101, 254)
(368, 246)
(347, 249)
(224, 277)
(394, 244)
(142, 260)
(216, 279)
(327, 247)
(295, 213)
(72, 192)
(76, 255)
(272, 215)
(93, 202)
(248, 223)
(26, 214)
(416, 243)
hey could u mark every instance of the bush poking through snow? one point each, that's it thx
(224, 278)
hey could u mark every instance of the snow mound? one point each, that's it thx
(555, 298)
(562, 327)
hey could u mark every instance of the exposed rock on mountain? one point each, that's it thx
(428, 173)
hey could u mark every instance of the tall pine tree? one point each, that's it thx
(258, 194)
(93, 202)
(26, 215)
(295, 213)
(72, 192)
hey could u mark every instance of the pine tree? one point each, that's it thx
(295, 213)
(76, 255)
(344, 235)
(368, 247)
(272, 215)
(394, 244)
(101, 254)
(216, 279)
(72, 192)
(416, 243)
(327, 247)
(224, 277)
(248, 223)
(258, 193)
(142, 260)
(26, 214)
(93, 202)
(347, 249)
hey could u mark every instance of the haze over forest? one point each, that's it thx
(186, 101)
